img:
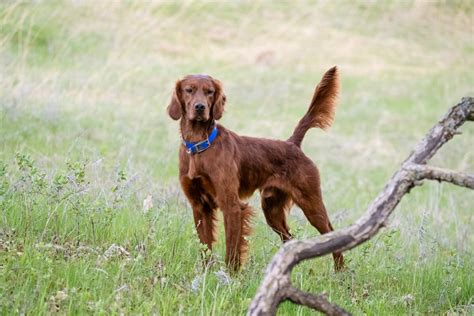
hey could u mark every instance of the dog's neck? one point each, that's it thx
(194, 131)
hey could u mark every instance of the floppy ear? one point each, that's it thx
(175, 107)
(219, 100)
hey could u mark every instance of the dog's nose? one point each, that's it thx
(199, 107)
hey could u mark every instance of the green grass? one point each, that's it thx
(85, 138)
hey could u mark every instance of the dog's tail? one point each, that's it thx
(321, 110)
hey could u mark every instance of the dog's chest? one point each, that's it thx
(196, 167)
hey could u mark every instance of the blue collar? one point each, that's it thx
(195, 148)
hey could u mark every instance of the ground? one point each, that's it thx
(85, 139)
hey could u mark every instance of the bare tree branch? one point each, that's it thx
(433, 173)
(317, 302)
(274, 287)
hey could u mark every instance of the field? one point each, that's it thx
(85, 139)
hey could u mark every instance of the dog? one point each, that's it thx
(219, 169)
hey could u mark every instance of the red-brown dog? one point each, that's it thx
(218, 168)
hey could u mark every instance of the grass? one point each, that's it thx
(85, 139)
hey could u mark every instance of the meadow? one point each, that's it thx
(85, 139)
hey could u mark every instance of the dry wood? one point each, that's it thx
(276, 285)
(433, 173)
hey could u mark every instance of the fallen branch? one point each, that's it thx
(276, 285)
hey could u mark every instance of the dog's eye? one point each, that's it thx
(210, 92)
(188, 90)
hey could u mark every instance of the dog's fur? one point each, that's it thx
(235, 166)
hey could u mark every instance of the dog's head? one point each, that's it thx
(197, 98)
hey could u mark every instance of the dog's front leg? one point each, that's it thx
(203, 210)
(237, 226)
(233, 235)
(236, 214)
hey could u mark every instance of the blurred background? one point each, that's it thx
(89, 81)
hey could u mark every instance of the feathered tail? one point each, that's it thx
(321, 110)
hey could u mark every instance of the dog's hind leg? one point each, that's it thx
(309, 199)
(275, 204)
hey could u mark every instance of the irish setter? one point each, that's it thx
(219, 169)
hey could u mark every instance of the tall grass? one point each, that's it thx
(85, 139)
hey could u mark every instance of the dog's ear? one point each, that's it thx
(175, 108)
(219, 100)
